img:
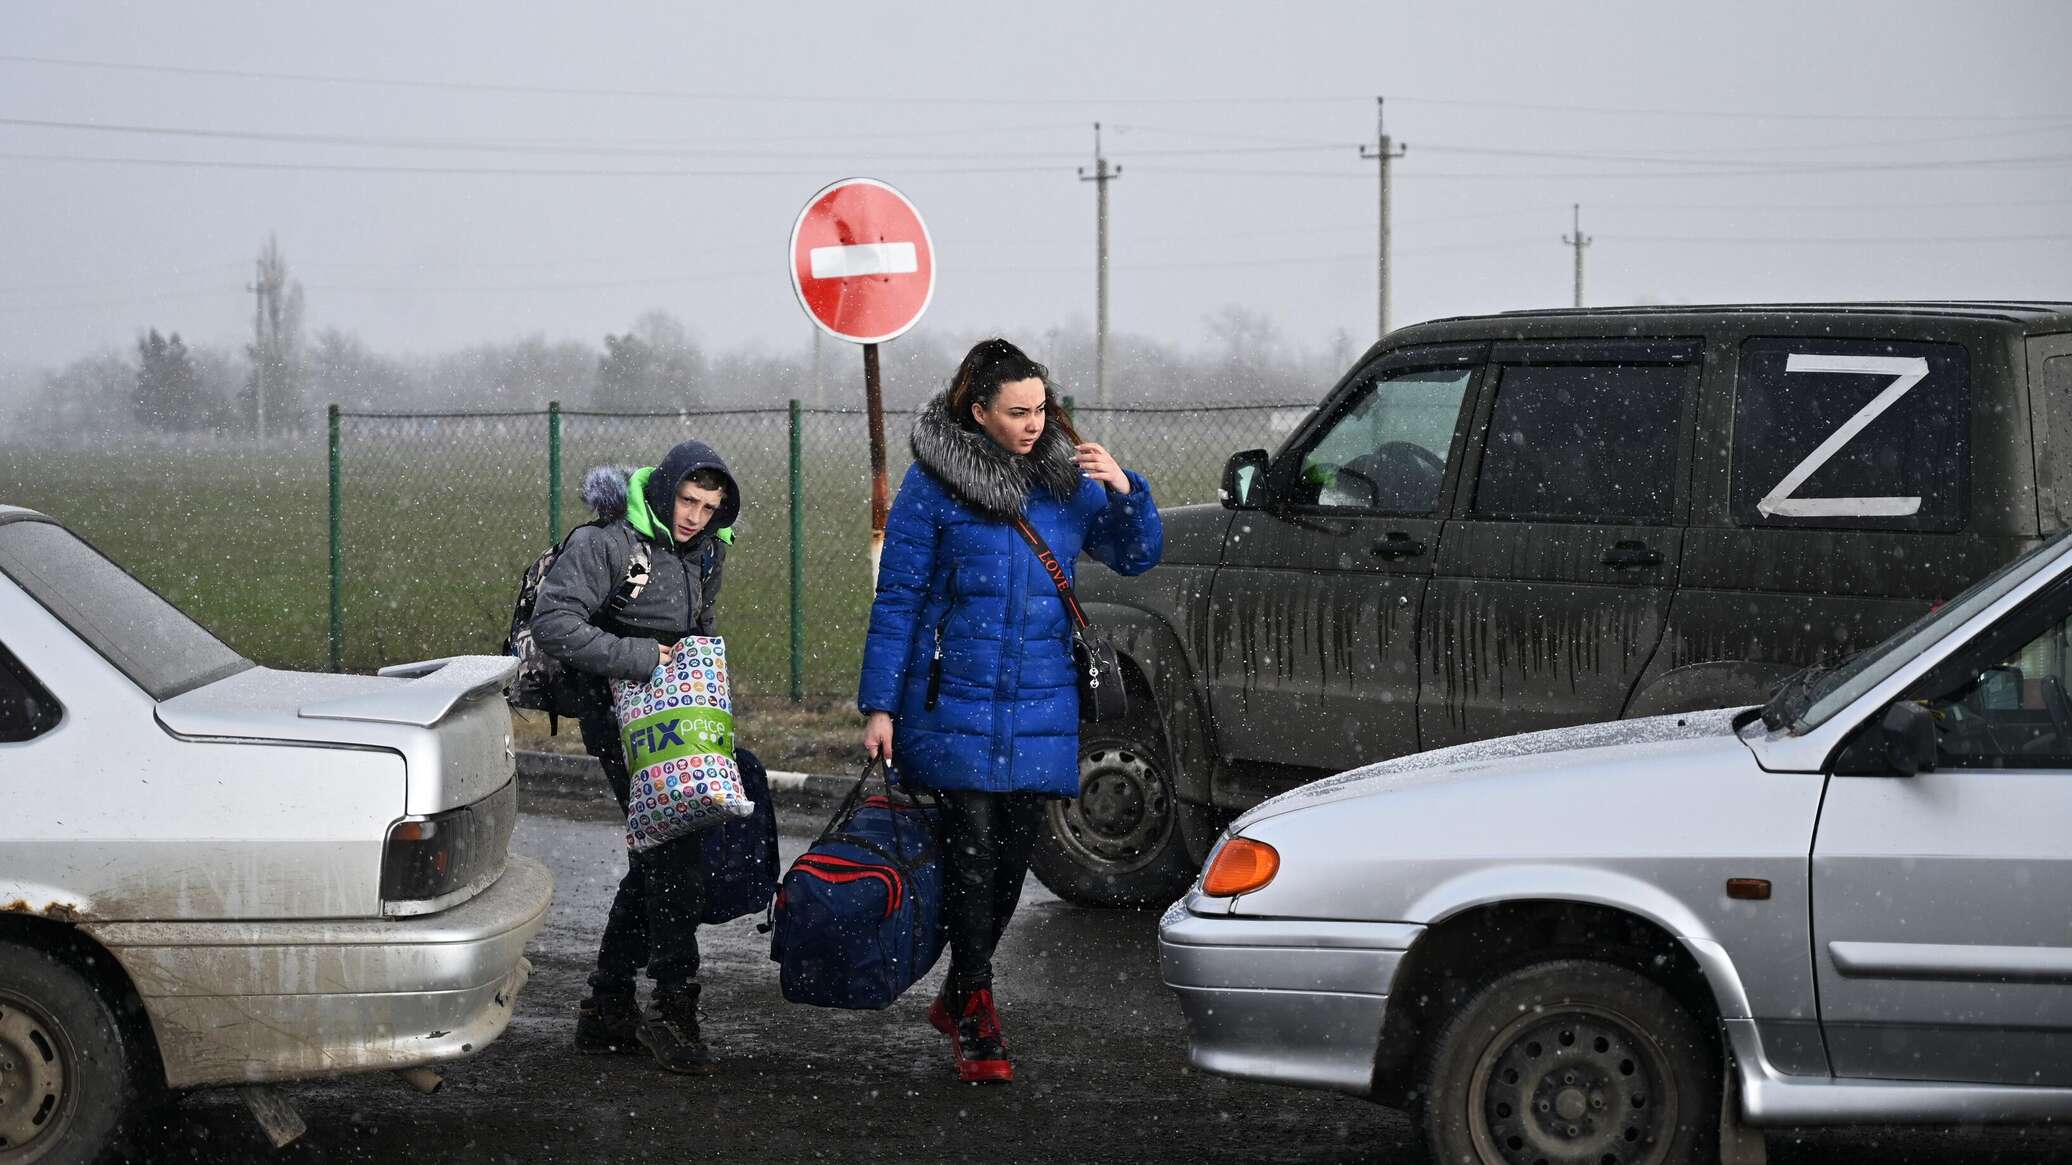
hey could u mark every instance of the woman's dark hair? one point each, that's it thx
(992, 363)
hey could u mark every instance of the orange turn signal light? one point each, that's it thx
(1240, 867)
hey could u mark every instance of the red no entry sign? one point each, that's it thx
(861, 261)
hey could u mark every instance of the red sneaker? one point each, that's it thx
(975, 1039)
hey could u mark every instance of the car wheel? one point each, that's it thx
(1119, 842)
(1569, 1062)
(66, 1081)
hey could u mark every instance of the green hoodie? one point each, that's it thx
(643, 520)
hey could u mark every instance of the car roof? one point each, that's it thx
(2032, 317)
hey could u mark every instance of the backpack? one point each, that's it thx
(740, 853)
(542, 683)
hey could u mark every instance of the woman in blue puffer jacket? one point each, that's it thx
(968, 664)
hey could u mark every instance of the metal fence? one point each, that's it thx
(434, 516)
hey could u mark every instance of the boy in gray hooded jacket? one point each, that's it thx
(601, 623)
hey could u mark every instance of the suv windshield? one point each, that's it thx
(159, 648)
(1808, 703)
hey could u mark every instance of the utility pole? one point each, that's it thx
(258, 290)
(1578, 240)
(1385, 150)
(1102, 175)
(819, 382)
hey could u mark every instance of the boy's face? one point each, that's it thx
(695, 506)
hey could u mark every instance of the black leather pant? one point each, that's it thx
(654, 917)
(986, 842)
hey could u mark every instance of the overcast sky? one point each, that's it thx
(1721, 151)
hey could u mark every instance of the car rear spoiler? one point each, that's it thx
(435, 688)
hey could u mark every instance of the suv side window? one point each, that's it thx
(2015, 713)
(1852, 434)
(1387, 452)
(1582, 443)
(27, 709)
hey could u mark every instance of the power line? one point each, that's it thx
(615, 150)
(1842, 241)
(2042, 161)
(649, 94)
(486, 171)
(1740, 114)
(979, 99)
(1728, 166)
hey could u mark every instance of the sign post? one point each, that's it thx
(864, 270)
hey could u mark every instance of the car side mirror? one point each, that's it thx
(1244, 480)
(1902, 742)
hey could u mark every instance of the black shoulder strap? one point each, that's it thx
(1052, 568)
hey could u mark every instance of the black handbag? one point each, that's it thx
(1101, 692)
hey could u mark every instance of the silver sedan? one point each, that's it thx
(1644, 941)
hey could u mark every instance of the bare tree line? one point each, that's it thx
(162, 385)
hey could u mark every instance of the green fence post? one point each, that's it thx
(337, 636)
(553, 473)
(798, 558)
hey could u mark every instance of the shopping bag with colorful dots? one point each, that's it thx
(678, 731)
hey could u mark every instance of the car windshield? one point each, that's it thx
(1808, 700)
(154, 643)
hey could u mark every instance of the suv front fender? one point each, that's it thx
(1149, 646)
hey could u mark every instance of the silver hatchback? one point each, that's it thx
(1852, 904)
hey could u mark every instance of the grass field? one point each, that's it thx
(440, 515)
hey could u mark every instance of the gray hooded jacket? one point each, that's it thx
(571, 620)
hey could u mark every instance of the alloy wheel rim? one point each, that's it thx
(1574, 1085)
(36, 1076)
(1123, 813)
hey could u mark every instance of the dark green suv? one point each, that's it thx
(1506, 523)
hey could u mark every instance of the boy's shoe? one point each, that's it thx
(670, 1031)
(975, 1040)
(607, 1025)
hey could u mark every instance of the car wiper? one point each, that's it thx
(1779, 713)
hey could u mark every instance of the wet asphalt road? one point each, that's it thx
(1099, 1053)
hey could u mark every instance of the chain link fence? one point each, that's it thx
(433, 517)
(439, 513)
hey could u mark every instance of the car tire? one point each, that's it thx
(67, 1080)
(1570, 1061)
(1119, 843)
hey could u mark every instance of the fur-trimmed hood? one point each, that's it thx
(984, 476)
(604, 490)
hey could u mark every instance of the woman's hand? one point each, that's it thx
(877, 735)
(1097, 463)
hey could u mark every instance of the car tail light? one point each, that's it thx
(432, 862)
(1240, 867)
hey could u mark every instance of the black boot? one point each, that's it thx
(607, 1023)
(670, 1031)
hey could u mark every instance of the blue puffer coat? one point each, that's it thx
(1006, 717)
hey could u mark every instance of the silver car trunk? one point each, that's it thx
(446, 717)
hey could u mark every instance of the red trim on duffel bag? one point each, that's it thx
(842, 871)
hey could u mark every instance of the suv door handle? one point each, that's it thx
(1396, 544)
(1631, 553)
